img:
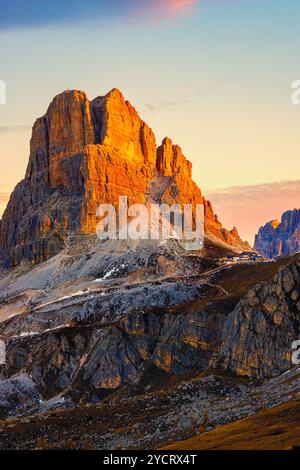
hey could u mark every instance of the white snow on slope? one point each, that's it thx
(108, 274)
(34, 333)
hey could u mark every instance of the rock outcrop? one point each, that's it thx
(170, 160)
(90, 323)
(95, 322)
(83, 153)
(278, 238)
(259, 333)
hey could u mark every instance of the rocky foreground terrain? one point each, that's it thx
(131, 350)
(130, 344)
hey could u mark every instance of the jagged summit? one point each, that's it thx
(83, 153)
(278, 238)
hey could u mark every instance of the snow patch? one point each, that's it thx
(108, 274)
(34, 333)
(26, 333)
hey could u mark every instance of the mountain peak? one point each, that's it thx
(274, 223)
(277, 238)
(83, 153)
(170, 159)
(116, 92)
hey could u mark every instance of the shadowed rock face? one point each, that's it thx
(111, 339)
(122, 320)
(258, 334)
(83, 153)
(279, 238)
(93, 323)
(141, 328)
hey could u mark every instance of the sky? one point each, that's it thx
(214, 75)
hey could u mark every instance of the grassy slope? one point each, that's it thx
(274, 429)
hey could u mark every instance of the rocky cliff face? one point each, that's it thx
(83, 153)
(258, 334)
(152, 322)
(279, 238)
(174, 341)
(87, 324)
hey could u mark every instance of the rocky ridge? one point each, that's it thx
(278, 238)
(83, 153)
(140, 318)
(142, 339)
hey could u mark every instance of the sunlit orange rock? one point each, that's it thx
(83, 153)
(170, 160)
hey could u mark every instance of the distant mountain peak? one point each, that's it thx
(278, 238)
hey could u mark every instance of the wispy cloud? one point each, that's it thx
(21, 13)
(249, 207)
(256, 194)
(156, 104)
(164, 9)
(193, 91)
(6, 129)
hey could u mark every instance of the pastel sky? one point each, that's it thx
(214, 75)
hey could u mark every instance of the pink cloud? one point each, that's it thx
(176, 7)
(249, 207)
(156, 10)
(69, 12)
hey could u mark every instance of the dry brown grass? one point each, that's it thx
(275, 429)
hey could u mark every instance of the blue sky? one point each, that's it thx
(35, 13)
(214, 75)
(24, 13)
